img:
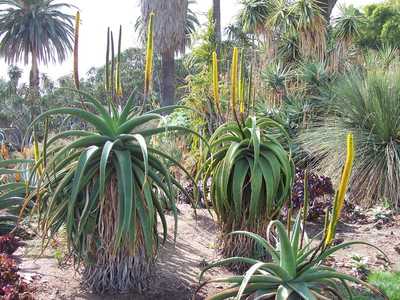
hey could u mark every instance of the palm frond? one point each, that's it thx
(41, 27)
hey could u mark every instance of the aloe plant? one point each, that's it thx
(102, 187)
(250, 172)
(296, 271)
(14, 188)
(105, 186)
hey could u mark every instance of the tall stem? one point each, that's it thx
(217, 24)
(33, 94)
(167, 78)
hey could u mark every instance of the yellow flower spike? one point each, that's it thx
(241, 84)
(341, 193)
(149, 57)
(76, 50)
(17, 177)
(119, 88)
(234, 79)
(36, 151)
(216, 81)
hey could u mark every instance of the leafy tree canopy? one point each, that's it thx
(381, 26)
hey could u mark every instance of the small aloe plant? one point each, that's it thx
(14, 189)
(296, 270)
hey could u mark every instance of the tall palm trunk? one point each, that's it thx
(217, 22)
(168, 75)
(33, 94)
(169, 39)
(34, 75)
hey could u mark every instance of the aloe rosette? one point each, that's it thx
(297, 270)
(251, 178)
(103, 186)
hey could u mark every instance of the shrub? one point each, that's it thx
(8, 244)
(249, 171)
(12, 287)
(388, 282)
(102, 187)
(296, 272)
(318, 187)
(368, 104)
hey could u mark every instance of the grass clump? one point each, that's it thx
(388, 282)
(366, 104)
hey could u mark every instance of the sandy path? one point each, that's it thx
(179, 264)
(176, 276)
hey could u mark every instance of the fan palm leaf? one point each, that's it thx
(37, 31)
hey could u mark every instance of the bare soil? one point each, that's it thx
(180, 263)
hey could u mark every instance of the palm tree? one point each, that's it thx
(192, 22)
(36, 31)
(326, 7)
(254, 15)
(310, 25)
(345, 31)
(170, 38)
(236, 34)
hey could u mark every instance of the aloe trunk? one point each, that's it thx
(122, 269)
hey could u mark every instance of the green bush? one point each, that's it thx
(387, 282)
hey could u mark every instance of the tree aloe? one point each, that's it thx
(102, 186)
(250, 171)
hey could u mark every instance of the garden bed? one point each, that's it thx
(180, 264)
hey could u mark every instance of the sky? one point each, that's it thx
(99, 14)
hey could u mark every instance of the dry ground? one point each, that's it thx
(179, 264)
